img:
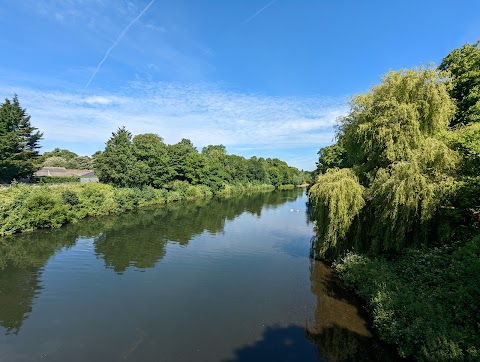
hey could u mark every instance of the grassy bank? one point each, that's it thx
(25, 208)
(425, 301)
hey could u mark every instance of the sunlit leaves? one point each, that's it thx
(337, 198)
(388, 123)
(402, 168)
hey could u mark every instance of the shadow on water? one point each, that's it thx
(341, 329)
(133, 239)
(278, 344)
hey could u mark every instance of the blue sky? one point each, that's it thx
(264, 78)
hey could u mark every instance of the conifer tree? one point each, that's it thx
(19, 142)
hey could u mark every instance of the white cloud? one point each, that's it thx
(205, 114)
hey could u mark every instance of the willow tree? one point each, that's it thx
(337, 199)
(386, 124)
(393, 140)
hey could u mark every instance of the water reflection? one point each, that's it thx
(22, 259)
(278, 344)
(340, 331)
(136, 239)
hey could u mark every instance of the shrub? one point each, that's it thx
(424, 301)
(26, 207)
(48, 180)
(70, 197)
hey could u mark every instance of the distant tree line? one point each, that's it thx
(145, 160)
(65, 158)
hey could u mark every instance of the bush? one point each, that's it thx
(425, 301)
(48, 180)
(70, 197)
(26, 207)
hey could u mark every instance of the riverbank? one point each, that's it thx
(26, 208)
(423, 301)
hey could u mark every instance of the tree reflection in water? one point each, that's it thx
(133, 239)
(340, 331)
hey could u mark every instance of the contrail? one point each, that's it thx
(259, 11)
(118, 39)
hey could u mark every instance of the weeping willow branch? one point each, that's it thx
(337, 199)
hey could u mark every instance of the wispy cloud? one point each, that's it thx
(118, 40)
(259, 11)
(203, 113)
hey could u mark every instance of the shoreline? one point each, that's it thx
(24, 208)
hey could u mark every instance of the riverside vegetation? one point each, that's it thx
(133, 172)
(397, 206)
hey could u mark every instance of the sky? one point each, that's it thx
(264, 78)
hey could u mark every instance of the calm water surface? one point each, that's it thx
(217, 280)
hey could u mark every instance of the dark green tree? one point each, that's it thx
(19, 142)
(464, 67)
(152, 151)
(117, 165)
(334, 156)
(179, 154)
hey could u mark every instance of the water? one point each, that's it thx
(216, 280)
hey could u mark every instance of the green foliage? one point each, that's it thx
(18, 142)
(404, 201)
(464, 66)
(337, 200)
(334, 156)
(70, 197)
(394, 137)
(25, 208)
(230, 190)
(392, 120)
(146, 161)
(77, 163)
(466, 141)
(117, 165)
(419, 180)
(65, 158)
(61, 153)
(425, 301)
(150, 150)
(48, 180)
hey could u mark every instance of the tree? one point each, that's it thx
(152, 151)
(19, 142)
(402, 169)
(463, 64)
(57, 152)
(179, 153)
(117, 165)
(386, 124)
(333, 156)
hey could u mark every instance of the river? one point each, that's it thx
(216, 280)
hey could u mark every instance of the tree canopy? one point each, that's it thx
(146, 160)
(403, 168)
(19, 142)
(463, 64)
(65, 158)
